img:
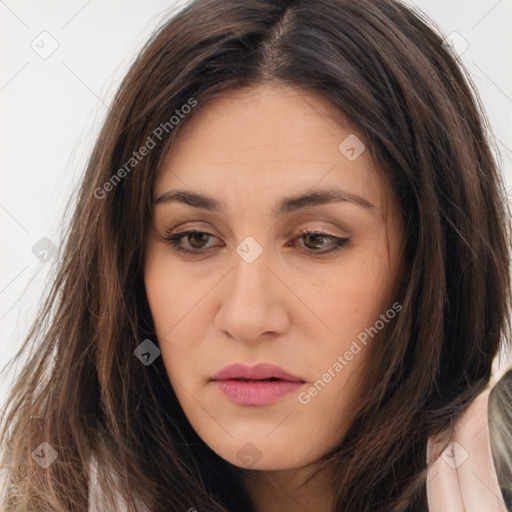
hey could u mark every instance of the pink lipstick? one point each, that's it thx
(258, 385)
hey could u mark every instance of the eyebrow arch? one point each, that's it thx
(286, 205)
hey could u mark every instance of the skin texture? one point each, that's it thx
(297, 309)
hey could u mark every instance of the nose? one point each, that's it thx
(252, 301)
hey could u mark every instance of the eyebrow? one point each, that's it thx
(286, 205)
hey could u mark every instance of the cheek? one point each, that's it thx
(172, 295)
(349, 302)
(351, 295)
(162, 299)
(170, 300)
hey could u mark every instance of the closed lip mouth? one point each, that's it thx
(259, 372)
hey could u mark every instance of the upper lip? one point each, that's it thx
(256, 372)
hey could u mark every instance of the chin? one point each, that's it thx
(262, 454)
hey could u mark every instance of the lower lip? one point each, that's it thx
(256, 393)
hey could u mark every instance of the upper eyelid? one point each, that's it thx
(331, 225)
(299, 234)
(321, 230)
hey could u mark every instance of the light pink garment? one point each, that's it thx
(463, 478)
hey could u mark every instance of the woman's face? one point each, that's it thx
(271, 163)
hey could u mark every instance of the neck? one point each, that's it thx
(293, 490)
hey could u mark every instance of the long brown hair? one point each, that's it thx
(386, 68)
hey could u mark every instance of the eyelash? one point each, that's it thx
(175, 241)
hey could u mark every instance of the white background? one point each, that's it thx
(51, 110)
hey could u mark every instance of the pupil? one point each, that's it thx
(195, 236)
(316, 237)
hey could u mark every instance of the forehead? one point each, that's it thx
(265, 140)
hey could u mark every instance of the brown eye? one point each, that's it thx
(314, 240)
(190, 242)
(198, 239)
